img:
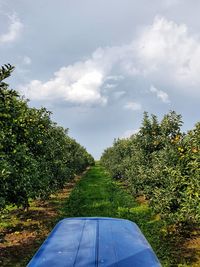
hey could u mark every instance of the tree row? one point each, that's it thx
(37, 157)
(161, 163)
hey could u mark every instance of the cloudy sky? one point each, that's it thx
(99, 64)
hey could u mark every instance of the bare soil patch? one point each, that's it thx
(21, 233)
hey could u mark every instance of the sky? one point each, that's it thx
(99, 64)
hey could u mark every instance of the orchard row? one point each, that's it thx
(162, 164)
(37, 157)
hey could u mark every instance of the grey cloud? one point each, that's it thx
(61, 34)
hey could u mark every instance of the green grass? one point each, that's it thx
(97, 194)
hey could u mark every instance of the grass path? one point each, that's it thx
(95, 194)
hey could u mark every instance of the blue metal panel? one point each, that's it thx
(95, 242)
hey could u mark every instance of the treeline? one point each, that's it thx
(162, 164)
(37, 156)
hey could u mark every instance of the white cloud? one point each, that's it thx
(129, 133)
(162, 52)
(133, 106)
(14, 30)
(79, 83)
(168, 50)
(163, 96)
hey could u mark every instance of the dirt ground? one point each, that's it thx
(21, 233)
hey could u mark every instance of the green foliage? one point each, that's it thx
(37, 157)
(163, 164)
(5, 72)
